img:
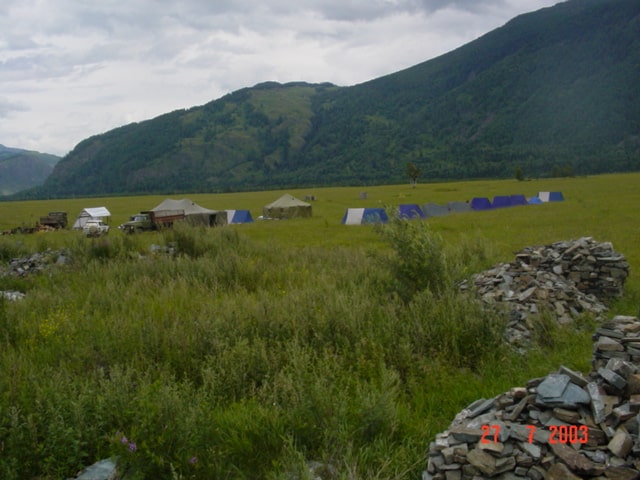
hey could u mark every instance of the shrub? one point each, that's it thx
(418, 261)
(12, 247)
(456, 328)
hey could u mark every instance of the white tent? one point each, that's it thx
(360, 216)
(99, 213)
(551, 196)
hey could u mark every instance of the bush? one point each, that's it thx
(418, 261)
(457, 328)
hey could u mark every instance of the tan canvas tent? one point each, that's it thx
(287, 206)
(193, 212)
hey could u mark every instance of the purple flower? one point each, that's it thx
(193, 460)
(124, 440)
(132, 446)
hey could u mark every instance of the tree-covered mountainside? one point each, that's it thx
(553, 90)
(22, 169)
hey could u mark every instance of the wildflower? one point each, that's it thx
(124, 440)
(193, 460)
(132, 446)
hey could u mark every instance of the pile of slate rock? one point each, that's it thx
(34, 263)
(12, 295)
(565, 279)
(562, 426)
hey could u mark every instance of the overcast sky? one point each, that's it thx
(70, 69)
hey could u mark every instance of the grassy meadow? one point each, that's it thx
(255, 349)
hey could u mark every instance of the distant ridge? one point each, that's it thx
(22, 169)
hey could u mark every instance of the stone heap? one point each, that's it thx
(11, 295)
(34, 263)
(566, 279)
(564, 426)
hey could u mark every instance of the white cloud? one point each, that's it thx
(70, 69)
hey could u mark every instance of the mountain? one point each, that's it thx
(22, 169)
(551, 91)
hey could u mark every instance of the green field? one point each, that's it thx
(599, 206)
(258, 348)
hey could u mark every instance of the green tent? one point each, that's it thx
(287, 206)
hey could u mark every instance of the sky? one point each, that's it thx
(70, 69)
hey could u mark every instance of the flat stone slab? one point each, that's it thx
(557, 390)
(102, 470)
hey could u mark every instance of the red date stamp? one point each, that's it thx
(558, 434)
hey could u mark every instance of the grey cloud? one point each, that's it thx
(7, 107)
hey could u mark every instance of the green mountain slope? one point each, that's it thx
(232, 142)
(22, 169)
(556, 87)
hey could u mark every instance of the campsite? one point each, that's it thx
(257, 350)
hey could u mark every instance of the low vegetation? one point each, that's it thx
(217, 354)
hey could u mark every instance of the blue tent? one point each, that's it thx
(459, 206)
(518, 200)
(360, 216)
(239, 216)
(411, 211)
(535, 201)
(500, 201)
(556, 197)
(551, 196)
(434, 210)
(480, 203)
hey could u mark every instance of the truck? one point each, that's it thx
(94, 227)
(54, 220)
(152, 220)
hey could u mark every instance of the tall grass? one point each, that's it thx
(223, 358)
(211, 353)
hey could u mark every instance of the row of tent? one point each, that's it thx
(202, 215)
(287, 206)
(359, 216)
(191, 209)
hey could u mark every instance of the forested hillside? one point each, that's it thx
(21, 169)
(553, 92)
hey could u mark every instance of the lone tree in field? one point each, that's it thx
(519, 174)
(413, 172)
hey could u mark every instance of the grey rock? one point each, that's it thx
(612, 378)
(597, 402)
(608, 344)
(480, 406)
(558, 391)
(102, 470)
(560, 471)
(552, 387)
(11, 295)
(621, 443)
(575, 377)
